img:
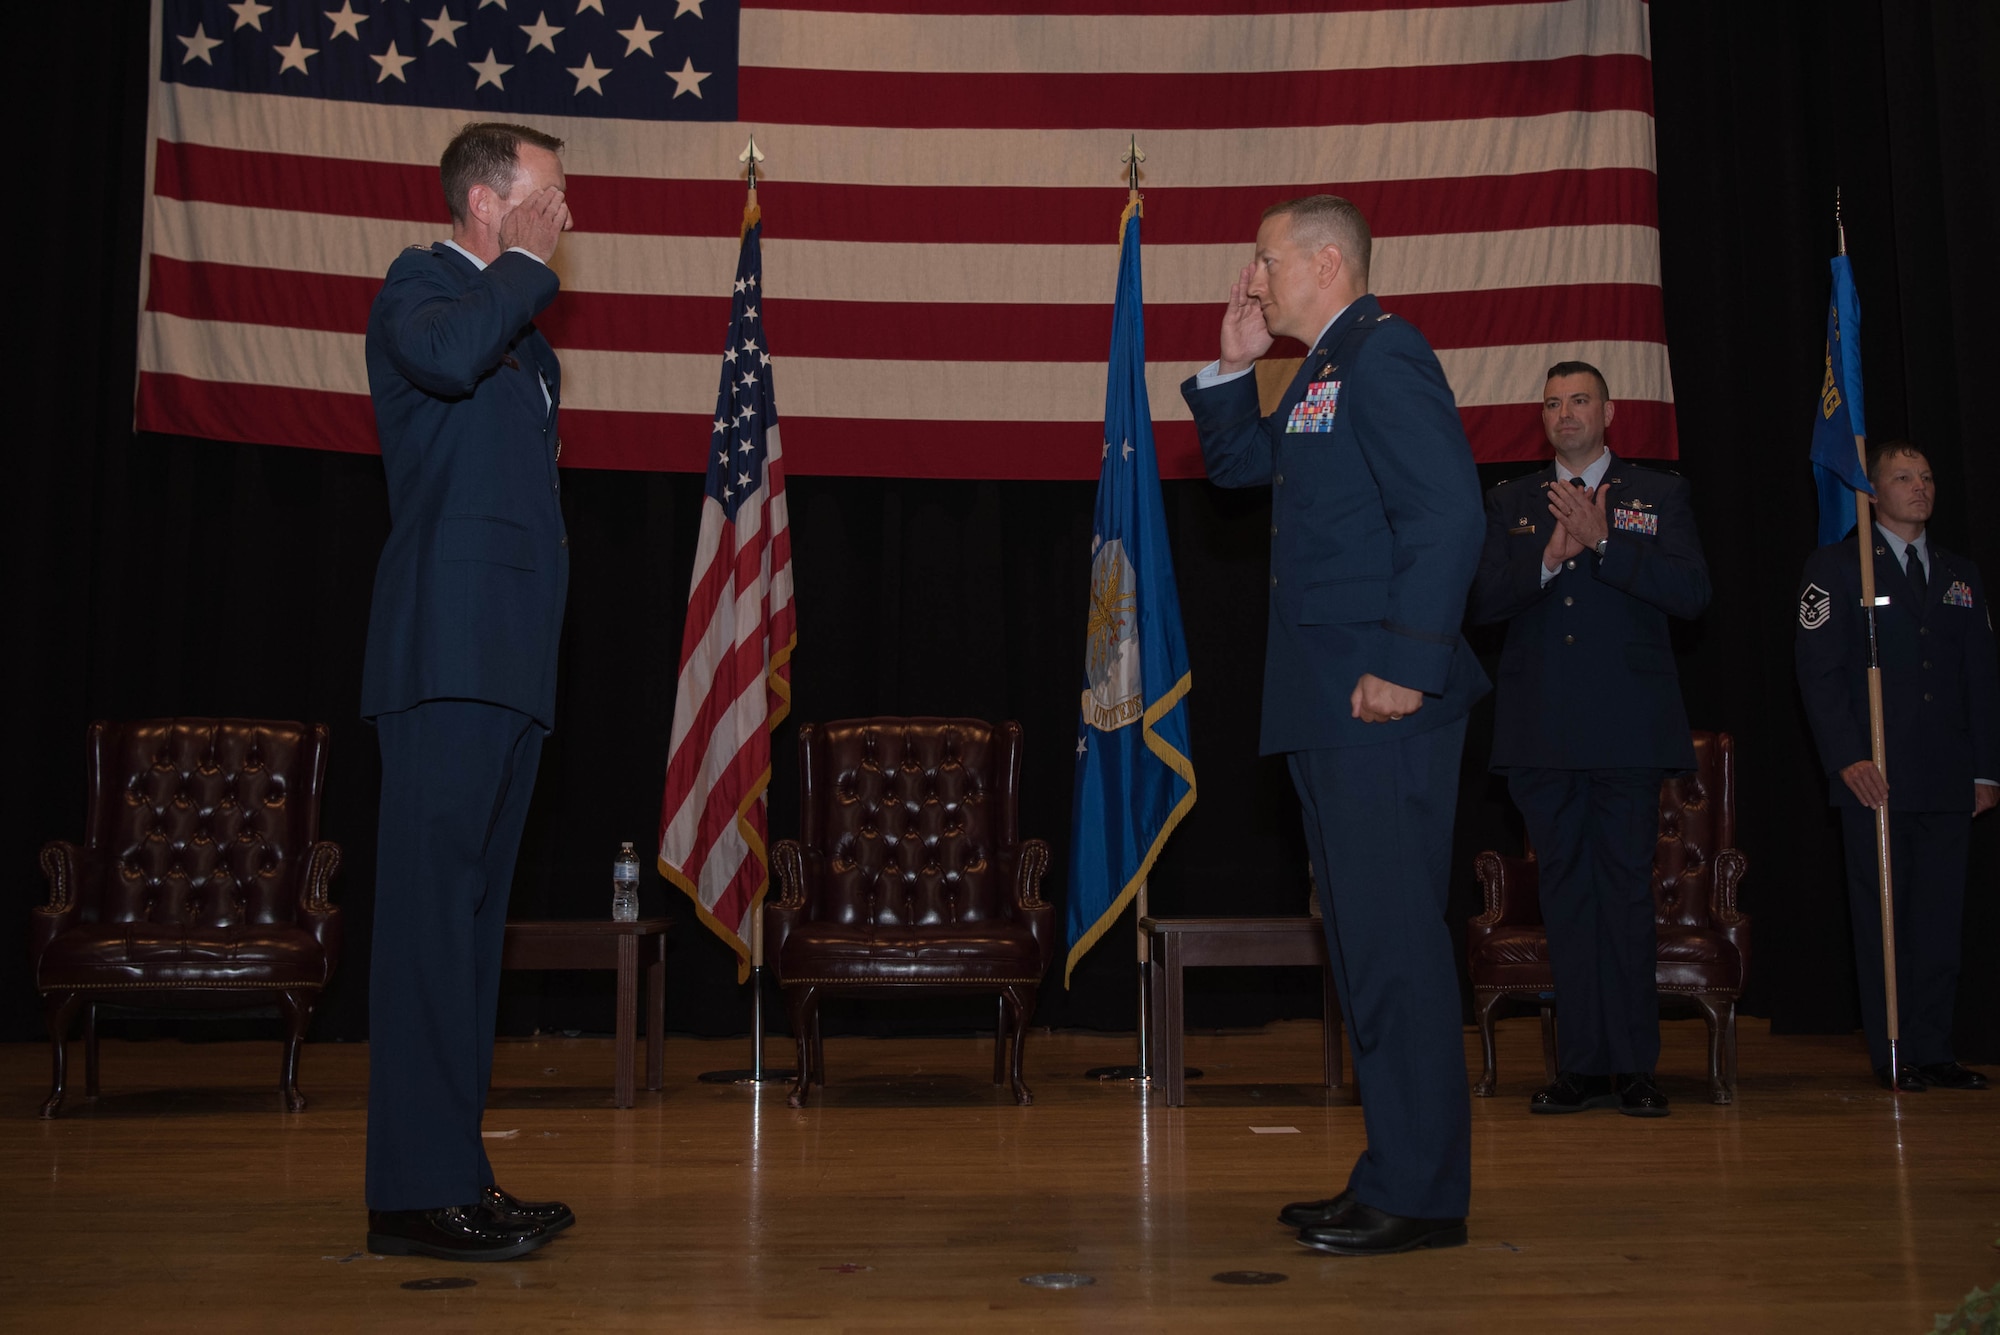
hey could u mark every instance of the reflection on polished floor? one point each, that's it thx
(913, 1195)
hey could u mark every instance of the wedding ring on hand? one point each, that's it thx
(1395, 718)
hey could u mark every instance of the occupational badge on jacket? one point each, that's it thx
(1959, 594)
(1635, 521)
(1116, 686)
(1815, 606)
(1314, 412)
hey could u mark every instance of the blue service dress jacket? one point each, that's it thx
(1940, 682)
(470, 588)
(1592, 644)
(1375, 529)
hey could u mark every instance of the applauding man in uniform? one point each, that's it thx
(1585, 561)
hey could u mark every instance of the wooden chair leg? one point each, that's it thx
(1729, 1047)
(1721, 1016)
(1000, 1043)
(296, 1005)
(803, 1003)
(90, 1050)
(1020, 1002)
(1549, 1042)
(819, 1048)
(59, 1010)
(1484, 1004)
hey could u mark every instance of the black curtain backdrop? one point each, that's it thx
(158, 575)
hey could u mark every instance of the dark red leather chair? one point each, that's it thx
(909, 877)
(1704, 939)
(201, 882)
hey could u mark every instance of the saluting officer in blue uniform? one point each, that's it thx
(1941, 726)
(1367, 680)
(460, 678)
(1585, 561)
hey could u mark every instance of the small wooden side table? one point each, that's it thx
(1184, 943)
(600, 943)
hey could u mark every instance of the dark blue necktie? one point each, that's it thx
(1913, 565)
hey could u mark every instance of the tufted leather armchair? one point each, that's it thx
(909, 876)
(1704, 940)
(201, 882)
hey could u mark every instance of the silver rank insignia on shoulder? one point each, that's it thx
(1383, 316)
(1815, 606)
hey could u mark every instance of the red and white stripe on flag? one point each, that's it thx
(940, 182)
(735, 679)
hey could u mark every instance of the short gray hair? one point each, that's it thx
(1328, 219)
(486, 153)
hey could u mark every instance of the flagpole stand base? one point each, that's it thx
(1138, 1073)
(755, 1074)
(745, 1076)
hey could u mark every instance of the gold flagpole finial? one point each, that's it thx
(1133, 199)
(750, 157)
(1839, 228)
(1133, 157)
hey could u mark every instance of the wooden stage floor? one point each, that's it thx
(914, 1196)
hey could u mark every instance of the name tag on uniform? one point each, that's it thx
(1521, 526)
(1314, 412)
(1636, 521)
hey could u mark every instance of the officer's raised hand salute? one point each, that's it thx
(1245, 337)
(1374, 537)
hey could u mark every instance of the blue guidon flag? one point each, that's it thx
(1134, 778)
(1836, 462)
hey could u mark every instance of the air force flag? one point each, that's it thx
(1836, 464)
(1134, 780)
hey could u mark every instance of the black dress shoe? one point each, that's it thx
(1638, 1096)
(1574, 1093)
(1363, 1230)
(1312, 1214)
(551, 1217)
(1950, 1075)
(452, 1233)
(1906, 1080)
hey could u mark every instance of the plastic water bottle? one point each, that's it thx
(625, 886)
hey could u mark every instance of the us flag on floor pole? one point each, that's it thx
(735, 671)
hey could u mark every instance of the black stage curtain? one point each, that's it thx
(155, 575)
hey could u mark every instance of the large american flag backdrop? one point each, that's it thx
(940, 177)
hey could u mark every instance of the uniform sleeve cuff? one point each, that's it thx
(1211, 375)
(1418, 665)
